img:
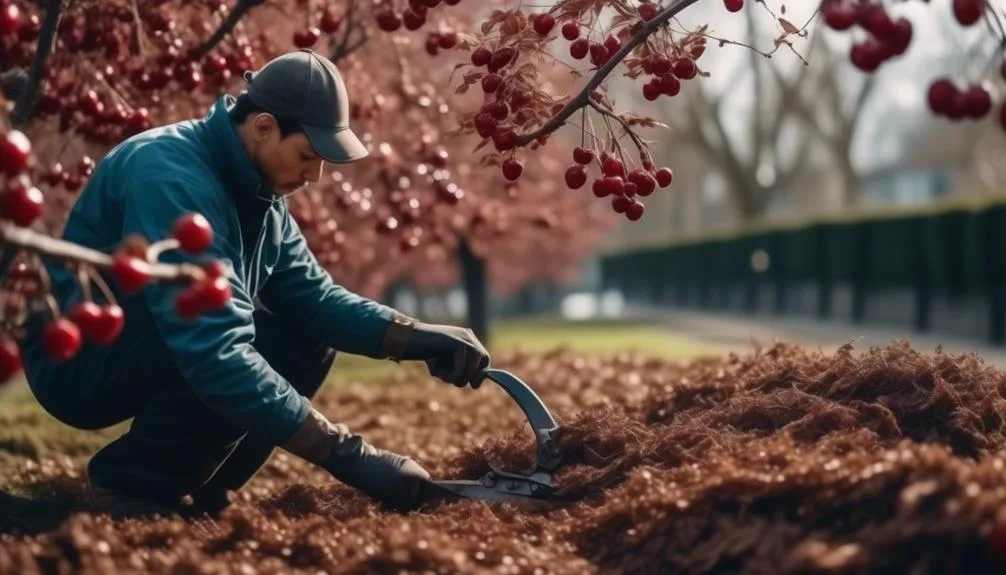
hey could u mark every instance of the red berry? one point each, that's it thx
(644, 182)
(61, 339)
(504, 140)
(193, 232)
(21, 203)
(576, 177)
(868, 55)
(612, 45)
(85, 315)
(612, 167)
(733, 5)
(647, 11)
(501, 58)
(512, 169)
(481, 56)
(651, 90)
(635, 210)
(628, 189)
(571, 31)
(579, 48)
(598, 54)
(941, 92)
(388, 20)
(214, 269)
(329, 22)
(620, 203)
(448, 40)
(664, 177)
(600, 189)
(10, 19)
(660, 65)
(670, 85)
(613, 185)
(685, 68)
(485, 125)
(543, 23)
(307, 38)
(491, 82)
(130, 273)
(215, 293)
(838, 14)
(968, 12)
(977, 102)
(497, 110)
(582, 155)
(10, 358)
(109, 325)
(413, 20)
(14, 151)
(900, 37)
(188, 305)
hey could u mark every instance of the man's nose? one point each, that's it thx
(313, 174)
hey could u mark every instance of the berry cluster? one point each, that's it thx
(133, 266)
(889, 37)
(615, 180)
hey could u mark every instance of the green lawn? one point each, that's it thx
(590, 337)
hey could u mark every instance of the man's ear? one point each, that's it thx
(263, 125)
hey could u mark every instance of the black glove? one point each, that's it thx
(392, 479)
(453, 354)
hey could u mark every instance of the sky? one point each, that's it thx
(898, 112)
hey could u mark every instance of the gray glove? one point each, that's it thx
(392, 479)
(452, 354)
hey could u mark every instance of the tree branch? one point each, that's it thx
(46, 42)
(228, 25)
(581, 99)
(35, 242)
(628, 130)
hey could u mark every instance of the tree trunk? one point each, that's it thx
(476, 282)
(849, 179)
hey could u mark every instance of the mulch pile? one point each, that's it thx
(787, 460)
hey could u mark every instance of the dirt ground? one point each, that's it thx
(782, 461)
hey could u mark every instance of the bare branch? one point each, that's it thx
(581, 99)
(46, 42)
(228, 25)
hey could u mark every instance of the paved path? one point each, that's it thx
(736, 332)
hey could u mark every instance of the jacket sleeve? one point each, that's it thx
(214, 352)
(300, 288)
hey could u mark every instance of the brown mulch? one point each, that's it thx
(783, 461)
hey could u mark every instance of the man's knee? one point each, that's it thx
(301, 360)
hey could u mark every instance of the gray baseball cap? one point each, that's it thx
(306, 87)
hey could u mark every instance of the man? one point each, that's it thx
(211, 398)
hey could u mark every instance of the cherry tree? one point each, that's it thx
(82, 75)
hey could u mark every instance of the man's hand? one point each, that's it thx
(390, 478)
(453, 354)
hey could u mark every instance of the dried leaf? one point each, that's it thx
(788, 26)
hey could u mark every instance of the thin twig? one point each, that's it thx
(46, 42)
(228, 25)
(581, 99)
(41, 244)
(628, 130)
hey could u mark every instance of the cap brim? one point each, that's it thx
(336, 145)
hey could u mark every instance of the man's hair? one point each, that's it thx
(244, 107)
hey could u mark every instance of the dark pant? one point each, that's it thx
(178, 446)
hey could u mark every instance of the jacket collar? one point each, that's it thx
(230, 157)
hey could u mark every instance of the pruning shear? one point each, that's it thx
(532, 487)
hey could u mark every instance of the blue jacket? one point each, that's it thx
(142, 186)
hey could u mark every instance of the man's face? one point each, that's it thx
(288, 163)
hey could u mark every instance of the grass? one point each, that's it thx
(601, 337)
